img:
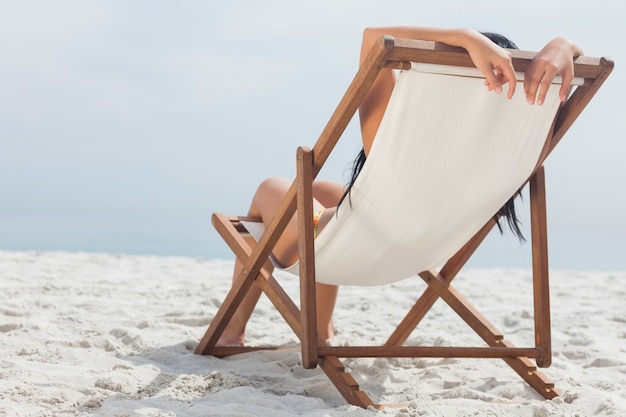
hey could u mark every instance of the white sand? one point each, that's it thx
(90, 334)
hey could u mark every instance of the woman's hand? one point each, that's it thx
(493, 61)
(556, 58)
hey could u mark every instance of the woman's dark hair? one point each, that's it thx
(500, 40)
(357, 165)
(507, 211)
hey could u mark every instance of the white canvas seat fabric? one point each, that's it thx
(447, 156)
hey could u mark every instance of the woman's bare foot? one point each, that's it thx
(329, 333)
(228, 339)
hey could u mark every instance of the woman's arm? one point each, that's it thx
(556, 58)
(494, 62)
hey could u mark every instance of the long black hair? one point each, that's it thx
(507, 211)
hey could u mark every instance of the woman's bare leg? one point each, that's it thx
(234, 333)
(328, 194)
(265, 205)
(326, 299)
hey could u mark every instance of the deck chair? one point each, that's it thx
(428, 195)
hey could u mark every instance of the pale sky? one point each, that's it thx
(125, 124)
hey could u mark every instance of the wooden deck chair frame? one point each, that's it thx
(396, 53)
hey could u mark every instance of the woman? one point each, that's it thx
(556, 58)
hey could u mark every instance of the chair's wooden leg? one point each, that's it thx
(493, 337)
(527, 370)
(345, 383)
(429, 297)
(413, 318)
(223, 315)
(541, 287)
(466, 311)
(306, 250)
(238, 291)
(265, 280)
(439, 286)
(281, 300)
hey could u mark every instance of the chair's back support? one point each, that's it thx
(399, 53)
(503, 175)
(448, 154)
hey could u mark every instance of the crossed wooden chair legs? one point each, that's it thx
(439, 286)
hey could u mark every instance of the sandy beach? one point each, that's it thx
(93, 334)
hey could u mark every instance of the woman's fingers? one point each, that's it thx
(492, 81)
(532, 80)
(538, 81)
(508, 72)
(495, 78)
(504, 74)
(565, 87)
(556, 58)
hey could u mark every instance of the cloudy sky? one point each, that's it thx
(125, 124)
